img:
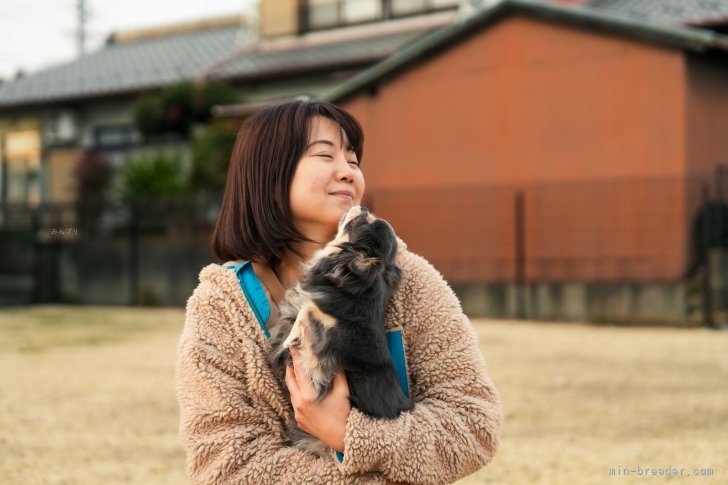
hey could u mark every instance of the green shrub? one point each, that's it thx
(211, 152)
(178, 106)
(211, 94)
(148, 175)
(147, 114)
(92, 172)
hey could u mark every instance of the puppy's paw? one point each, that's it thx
(294, 343)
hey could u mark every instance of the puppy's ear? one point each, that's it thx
(366, 269)
(364, 264)
(340, 272)
(353, 271)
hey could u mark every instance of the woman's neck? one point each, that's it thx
(288, 270)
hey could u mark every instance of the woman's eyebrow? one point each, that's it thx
(329, 143)
(325, 142)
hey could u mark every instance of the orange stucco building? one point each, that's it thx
(549, 156)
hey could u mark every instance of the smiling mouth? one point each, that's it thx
(348, 195)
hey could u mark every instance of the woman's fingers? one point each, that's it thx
(292, 384)
(304, 386)
(326, 418)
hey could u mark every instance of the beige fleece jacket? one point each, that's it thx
(233, 411)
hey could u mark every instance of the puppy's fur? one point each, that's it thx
(335, 317)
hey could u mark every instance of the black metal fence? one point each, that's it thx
(146, 253)
(626, 248)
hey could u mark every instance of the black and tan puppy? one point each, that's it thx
(335, 316)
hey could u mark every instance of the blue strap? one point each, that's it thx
(395, 345)
(254, 293)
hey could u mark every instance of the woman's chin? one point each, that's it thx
(340, 211)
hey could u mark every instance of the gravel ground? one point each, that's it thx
(88, 397)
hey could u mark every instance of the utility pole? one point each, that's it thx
(82, 15)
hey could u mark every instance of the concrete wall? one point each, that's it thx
(100, 272)
(657, 303)
(718, 285)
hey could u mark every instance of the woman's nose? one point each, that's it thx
(344, 170)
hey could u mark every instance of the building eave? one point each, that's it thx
(692, 40)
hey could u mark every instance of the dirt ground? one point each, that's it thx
(87, 397)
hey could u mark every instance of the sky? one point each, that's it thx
(40, 33)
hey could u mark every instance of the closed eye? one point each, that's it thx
(354, 162)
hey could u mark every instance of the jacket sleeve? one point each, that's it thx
(454, 428)
(230, 407)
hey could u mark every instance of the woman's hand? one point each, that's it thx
(325, 419)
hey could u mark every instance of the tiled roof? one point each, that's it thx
(423, 49)
(155, 61)
(124, 67)
(258, 62)
(665, 11)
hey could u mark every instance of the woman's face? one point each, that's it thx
(327, 181)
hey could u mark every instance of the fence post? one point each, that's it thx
(37, 255)
(520, 256)
(134, 255)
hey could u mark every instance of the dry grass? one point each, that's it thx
(88, 397)
(581, 399)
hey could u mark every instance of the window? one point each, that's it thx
(115, 136)
(332, 13)
(405, 7)
(22, 158)
(361, 10)
(324, 14)
(438, 4)
(408, 7)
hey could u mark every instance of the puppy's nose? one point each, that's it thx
(364, 210)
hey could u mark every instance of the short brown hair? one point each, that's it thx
(255, 220)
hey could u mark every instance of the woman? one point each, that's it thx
(294, 172)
